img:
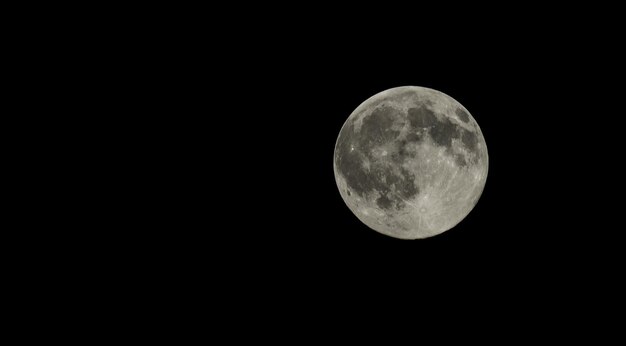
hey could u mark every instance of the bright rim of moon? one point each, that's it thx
(411, 162)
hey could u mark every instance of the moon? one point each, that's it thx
(411, 162)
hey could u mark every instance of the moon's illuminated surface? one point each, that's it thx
(411, 162)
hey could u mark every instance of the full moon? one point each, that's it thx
(411, 162)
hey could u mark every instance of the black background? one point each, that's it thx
(242, 200)
(195, 147)
(267, 115)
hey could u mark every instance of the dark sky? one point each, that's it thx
(274, 121)
(200, 143)
(256, 117)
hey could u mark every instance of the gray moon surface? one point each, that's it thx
(411, 162)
